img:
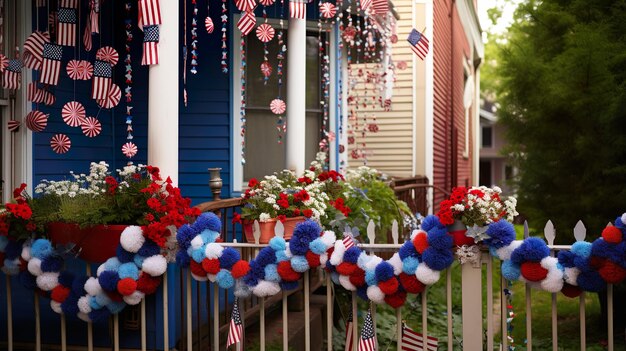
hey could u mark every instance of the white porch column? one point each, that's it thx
(296, 95)
(163, 96)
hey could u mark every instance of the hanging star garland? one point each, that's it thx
(194, 38)
(242, 112)
(281, 127)
(224, 18)
(128, 88)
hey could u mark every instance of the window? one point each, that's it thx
(485, 173)
(487, 136)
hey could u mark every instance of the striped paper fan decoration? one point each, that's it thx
(60, 143)
(266, 2)
(278, 106)
(4, 63)
(112, 99)
(91, 127)
(328, 10)
(13, 125)
(73, 113)
(129, 149)
(108, 54)
(245, 5)
(36, 121)
(265, 32)
(72, 69)
(266, 69)
(85, 69)
(208, 23)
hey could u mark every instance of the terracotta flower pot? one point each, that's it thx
(267, 229)
(96, 244)
(457, 230)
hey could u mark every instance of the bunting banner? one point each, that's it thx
(297, 9)
(33, 49)
(51, 64)
(101, 81)
(67, 19)
(12, 78)
(150, 45)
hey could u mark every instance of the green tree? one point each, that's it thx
(562, 88)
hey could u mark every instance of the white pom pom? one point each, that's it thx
(56, 307)
(362, 260)
(375, 294)
(504, 253)
(34, 266)
(132, 238)
(134, 298)
(427, 276)
(288, 253)
(83, 304)
(26, 256)
(92, 286)
(100, 269)
(396, 262)
(212, 277)
(154, 265)
(624, 218)
(265, 288)
(328, 238)
(83, 316)
(337, 257)
(344, 280)
(571, 276)
(549, 262)
(197, 242)
(213, 251)
(554, 281)
(200, 278)
(241, 289)
(373, 262)
(48, 281)
(323, 259)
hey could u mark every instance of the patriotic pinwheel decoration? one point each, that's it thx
(265, 32)
(245, 5)
(129, 149)
(113, 97)
(328, 10)
(108, 54)
(267, 2)
(4, 63)
(79, 70)
(73, 113)
(278, 106)
(13, 125)
(208, 24)
(91, 127)
(36, 121)
(266, 69)
(60, 143)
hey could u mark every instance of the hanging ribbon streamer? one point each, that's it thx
(224, 18)
(242, 69)
(281, 127)
(194, 39)
(128, 89)
(326, 12)
(185, 53)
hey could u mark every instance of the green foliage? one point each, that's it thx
(563, 94)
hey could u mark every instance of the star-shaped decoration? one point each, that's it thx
(224, 18)
(478, 233)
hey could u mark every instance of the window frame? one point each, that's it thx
(482, 136)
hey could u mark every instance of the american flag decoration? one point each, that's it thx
(413, 341)
(149, 13)
(278, 106)
(13, 125)
(328, 10)
(245, 5)
(91, 127)
(92, 26)
(150, 45)
(60, 143)
(129, 149)
(36, 121)
(108, 54)
(33, 49)
(380, 7)
(365, 5)
(113, 97)
(367, 341)
(67, 19)
(51, 64)
(349, 340)
(297, 9)
(12, 78)
(235, 331)
(419, 43)
(265, 32)
(73, 113)
(348, 240)
(4, 63)
(101, 82)
(246, 23)
(208, 24)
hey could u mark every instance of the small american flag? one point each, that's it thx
(368, 341)
(413, 341)
(150, 45)
(101, 82)
(297, 9)
(419, 43)
(149, 13)
(380, 7)
(12, 78)
(348, 241)
(235, 331)
(67, 19)
(51, 64)
(349, 326)
(365, 4)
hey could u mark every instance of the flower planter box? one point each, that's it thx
(457, 231)
(267, 229)
(96, 244)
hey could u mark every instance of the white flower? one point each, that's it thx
(270, 200)
(264, 217)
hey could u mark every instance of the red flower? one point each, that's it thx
(136, 176)
(236, 218)
(282, 218)
(305, 180)
(302, 196)
(4, 226)
(149, 217)
(308, 213)
(17, 193)
(283, 201)
(253, 183)
(296, 212)
(478, 193)
(112, 184)
(31, 227)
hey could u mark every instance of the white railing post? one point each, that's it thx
(471, 285)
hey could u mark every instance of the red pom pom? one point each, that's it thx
(196, 268)
(596, 262)
(612, 235)
(286, 272)
(396, 300)
(571, 291)
(420, 241)
(357, 278)
(60, 293)
(148, 284)
(346, 268)
(23, 264)
(411, 284)
(313, 259)
(460, 238)
(533, 271)
(612, 273)
(240, 268)
(115, 296)
(211, 266)
(126, 286)
(389, 286)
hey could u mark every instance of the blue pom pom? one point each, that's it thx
(128, 270)
(510, 270)
(70, 306)
(619, 224)
(41, 249)
(409, 265)
(184, 235)
(494, 252)
(28, 280)
(601, 248)
(229, 257)
(299, 245)
(112, 264)
(182, 259)
(108, 280)
(257, 270)
(116, 307)
(123, 255)
(93, 303)
(250, 280)
(317, 246)
(438, 238)
(99, 315)
(332, 269)
(207, 220)
(271, 273)
(149, 248)
(288, 285)
(501, 233)
(52, 263)
(384, 271)
(224, 279)
(281, 256)
(567, 258)
(78, 285)
(66, 279)
(277, 243)
(198, 254)
(13, 250)
(581, 248)
(266, 256)
(308, 230)
(299, 264)
(370, 277)
(102, 300)
(208, 236)
(532, 249)
(590, 280)
(406, 250)
(362, 293)
(138, 260)
(3, 242)
(352, 255)
(437, 259)
(430, 222)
